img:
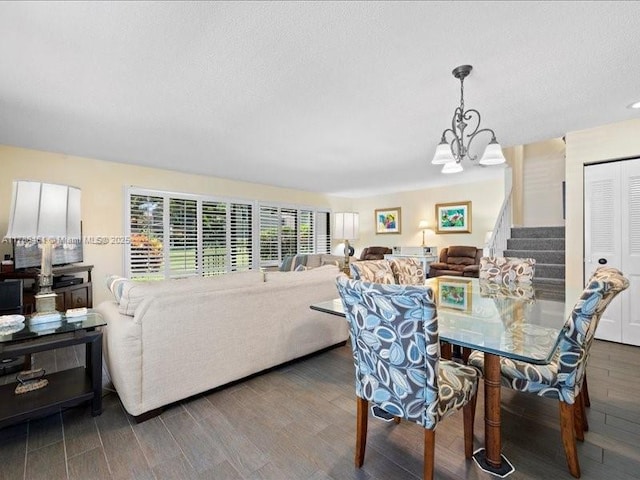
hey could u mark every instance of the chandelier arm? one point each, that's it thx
(477, 132)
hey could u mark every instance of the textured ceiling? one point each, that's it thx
(347, 97)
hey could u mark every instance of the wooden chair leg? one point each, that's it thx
(362, 417)
(465, 355)
(578, 418)
(468, 415)
(585, 391)
(569, 438)
(429, 453)
(446, 351)
(583, 407)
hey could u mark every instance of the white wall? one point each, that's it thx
(103, 186)
(544, 170)
(608, 142)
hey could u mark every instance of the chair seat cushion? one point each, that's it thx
(457, 384)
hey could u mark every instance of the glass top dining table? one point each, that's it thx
(515, 323)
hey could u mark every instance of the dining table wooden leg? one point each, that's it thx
(492, 438)
(490, 458)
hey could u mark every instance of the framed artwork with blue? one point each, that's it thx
(388, 220)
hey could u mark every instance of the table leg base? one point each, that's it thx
(480, 457)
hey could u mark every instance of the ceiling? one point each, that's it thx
(347, 98)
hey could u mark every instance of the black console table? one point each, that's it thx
(69, 296)
(66, 388)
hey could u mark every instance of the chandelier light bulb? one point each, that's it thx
(443, 154)
(452, 167)
(492, 154)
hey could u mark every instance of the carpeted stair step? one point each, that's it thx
(537, 232)
(548, 270)
(535, 244)
(541, 256)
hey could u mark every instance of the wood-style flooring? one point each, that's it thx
(298, 422)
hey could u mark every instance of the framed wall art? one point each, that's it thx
(453, 217)
(388, 220)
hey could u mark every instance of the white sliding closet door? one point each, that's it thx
(612, 237)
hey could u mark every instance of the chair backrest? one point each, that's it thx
(407, 271)
(374, 253)
(579, 329)
(507, 270)
(394, 338)
(11, 297)
(377, 271)
(460, 255)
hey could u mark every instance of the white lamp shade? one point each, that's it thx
(346, 225)
(492, 155)
(443, 154)
(423, 225)
(453, 167)
(44, 210)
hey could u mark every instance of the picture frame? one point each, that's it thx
(388, 220)
(455, 294)
(454, 217)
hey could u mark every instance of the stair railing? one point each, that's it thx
(497, 243)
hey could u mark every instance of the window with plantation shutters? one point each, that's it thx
(287, 230)
(146, 237)
(183, 237)
(323, 232)
(269, 235)
(214, 238)
(175, 235)
(241, 237)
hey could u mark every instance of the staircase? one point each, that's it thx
(547, 246)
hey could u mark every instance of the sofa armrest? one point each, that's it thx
(439, 265)
(471, 271)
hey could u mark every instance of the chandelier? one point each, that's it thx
(450, 153)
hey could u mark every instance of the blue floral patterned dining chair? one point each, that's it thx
(564, 376)
(394, 338)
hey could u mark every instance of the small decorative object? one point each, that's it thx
(453, 217)
(388, 220)
(30, 380)
(455, 294)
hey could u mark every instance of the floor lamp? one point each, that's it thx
(48, 214)
(346, 226)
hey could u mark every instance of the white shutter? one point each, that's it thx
(183, 237)
(306, 231)
(240, 237)
(323, 232)
(288, 231)
(269, 234)
(145, 250)
(214, 238)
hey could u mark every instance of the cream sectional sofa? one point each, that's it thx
(166, 341)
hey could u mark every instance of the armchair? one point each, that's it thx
(461, 261)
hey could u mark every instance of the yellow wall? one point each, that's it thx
(103, 185)
(609, 142)
(486, 199)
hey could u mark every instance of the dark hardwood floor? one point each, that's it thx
(298, 422)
